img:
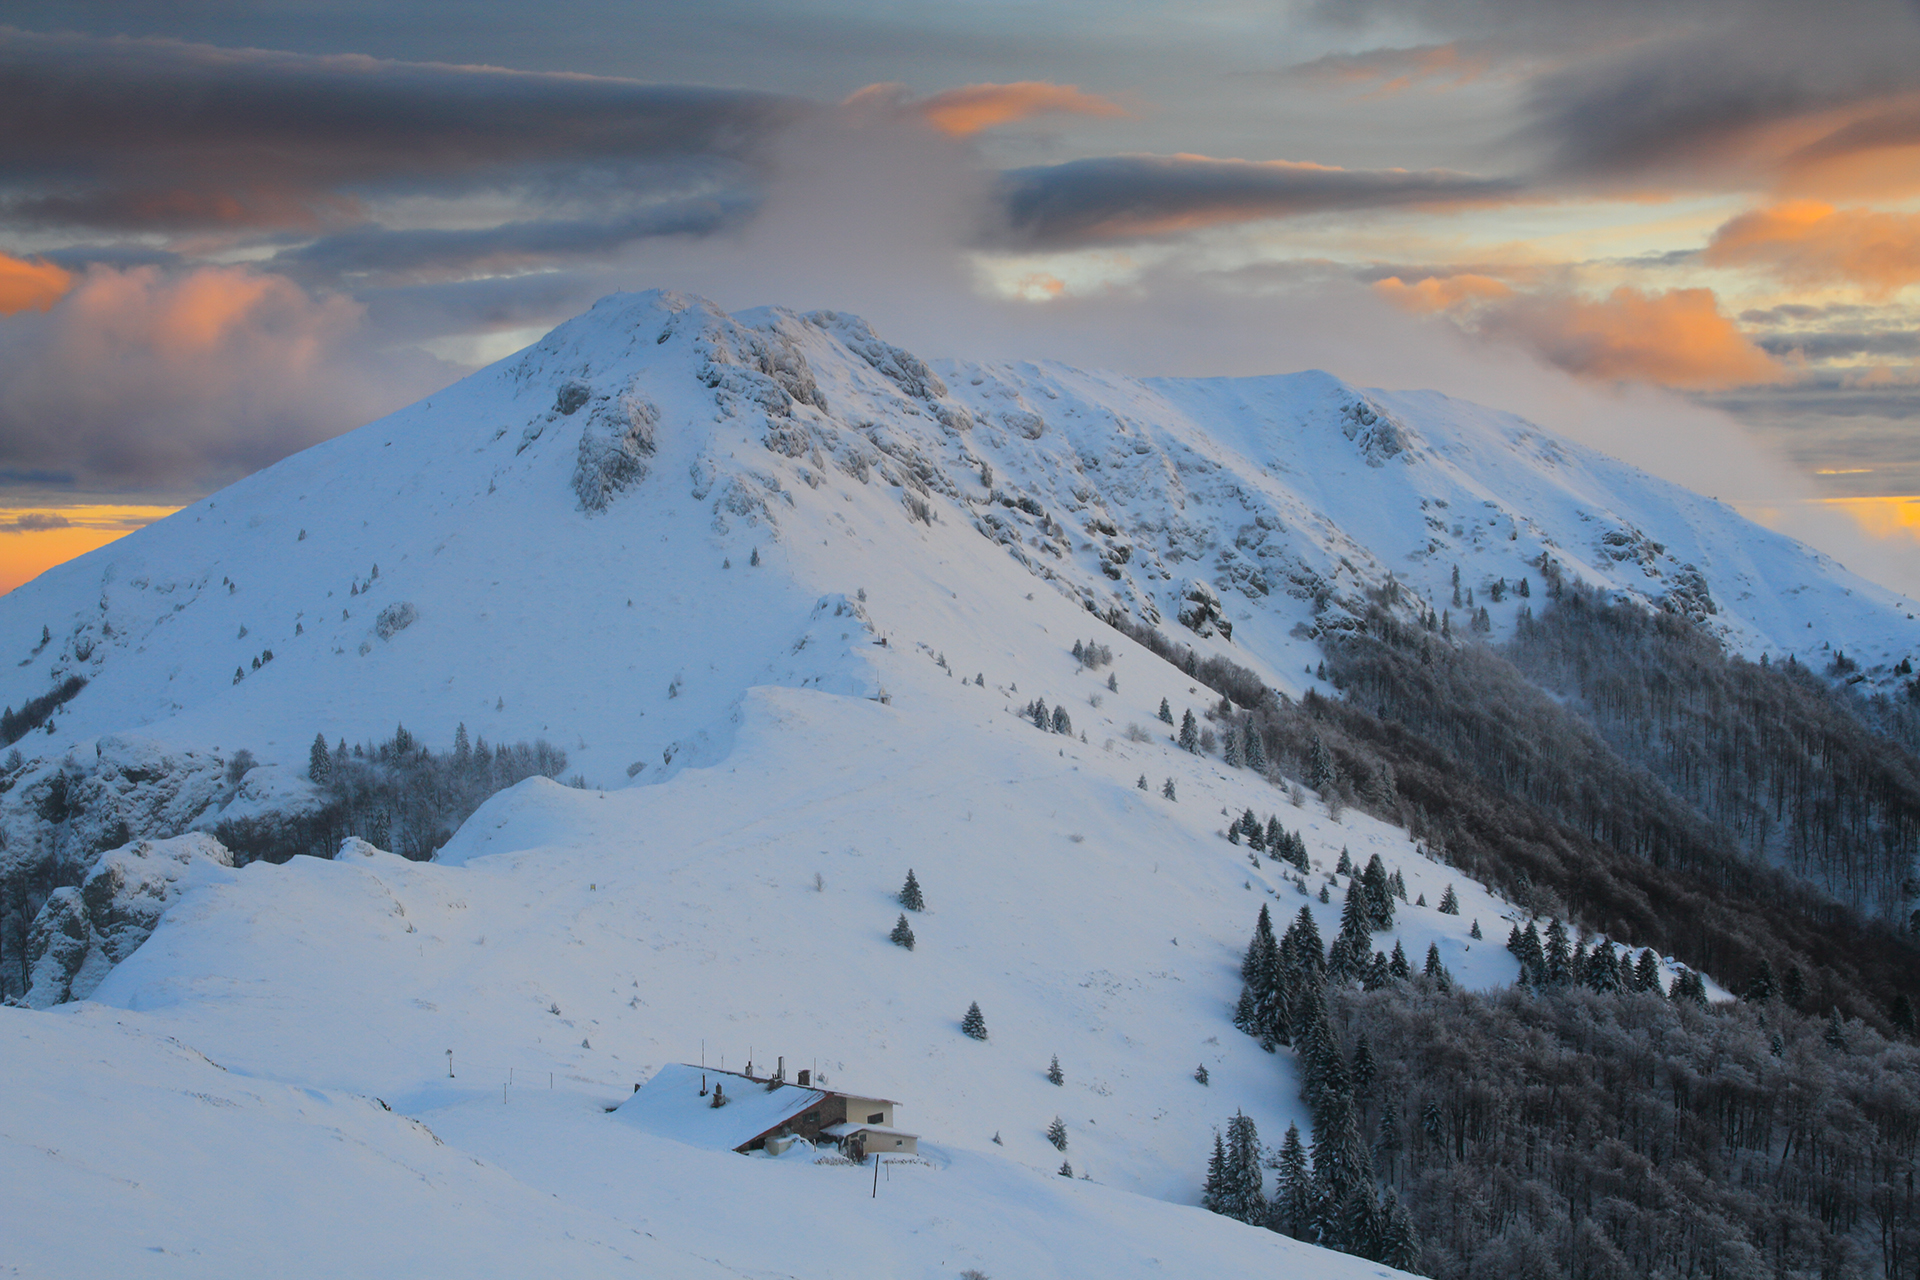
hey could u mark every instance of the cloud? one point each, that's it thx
(1388, 71)
(1805, 242)
(1676, 339)
(35, 522)
(970, 109)
(1441, 293)
(179, 381)
(37, 284)
(1136, 197)
(161, 134)
(429, 253)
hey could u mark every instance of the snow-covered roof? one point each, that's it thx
(846, 1127)
(670, 1106)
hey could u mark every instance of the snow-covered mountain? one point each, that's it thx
(782, 593)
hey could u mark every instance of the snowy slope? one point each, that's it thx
(565, 547)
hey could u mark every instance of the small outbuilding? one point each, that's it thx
(734, 1111)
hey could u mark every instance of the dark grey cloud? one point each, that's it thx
(1800, 313)
(38, 478)
(1118, 198)
(1839, 344)
(509, 246)
(153, 133)
(35, 522)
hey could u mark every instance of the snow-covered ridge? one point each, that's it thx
(465, 559)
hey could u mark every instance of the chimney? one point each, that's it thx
(780, 1068)
(806, 1078)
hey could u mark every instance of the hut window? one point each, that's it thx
(878, 1117)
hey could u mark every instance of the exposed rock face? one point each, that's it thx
(82, 933)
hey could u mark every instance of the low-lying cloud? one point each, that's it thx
(140, 378)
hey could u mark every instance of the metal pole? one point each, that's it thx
(876, 1176)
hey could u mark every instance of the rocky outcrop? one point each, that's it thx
(80, 934)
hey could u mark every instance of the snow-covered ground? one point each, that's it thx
(745, 573)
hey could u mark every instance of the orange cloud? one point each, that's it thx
(1676, 339)
(1806, 242)
(1441, 293)
(36, 284)
(970, 109)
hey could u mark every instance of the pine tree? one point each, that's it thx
(1062, 722)
(910, 894)
(1167, 790)
(1760, 986)
(1474, 932)
(1113, 682)
(1066, 1169)
(1345, 866)
(1449, 902)
(1646, 974)
(1398, 885)
(1037, 712)
(974, 1024)
(319, 760)
(1793, 987)
(1558, 966)
(1836, 1034)
(1189, 732)
(1166, 712)
(1200, 1074)
(1397, 963)
(1291, 1212)
(1256, 751)
(1057, 1134)
(1356, 926)
(1379, 894)
(1213, 1191)
(1399, 1245)
(1434, 969)
(1243, 1196)
(1230, 748)
(902, 935)
(1142, 783)
(1054, 1073)
(1319, 765)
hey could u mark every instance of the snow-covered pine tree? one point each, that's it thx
(1449, 902)
(1379, 891)
(1166, 712)
(1057, 1134)
(1037, 712)
(1167, 790)
(1066, 1169)
(1189, 732)
(1646, 974)
(1142, 783)
(1214, 1189)
(1397, 962)
(319, 760)
(975, 1023)
(1291, 1210)
(902, 935)
(1054, 1073)
(1113, 682)
(1244, 1197)
(910, 896)
(1256, 752)
(1230, 748)
(1474, 930)
(1200, 1074)
(1062, 722)
(1557, 959)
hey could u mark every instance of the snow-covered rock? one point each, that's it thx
(82, 933)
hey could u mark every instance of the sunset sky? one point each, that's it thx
(230, 229)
